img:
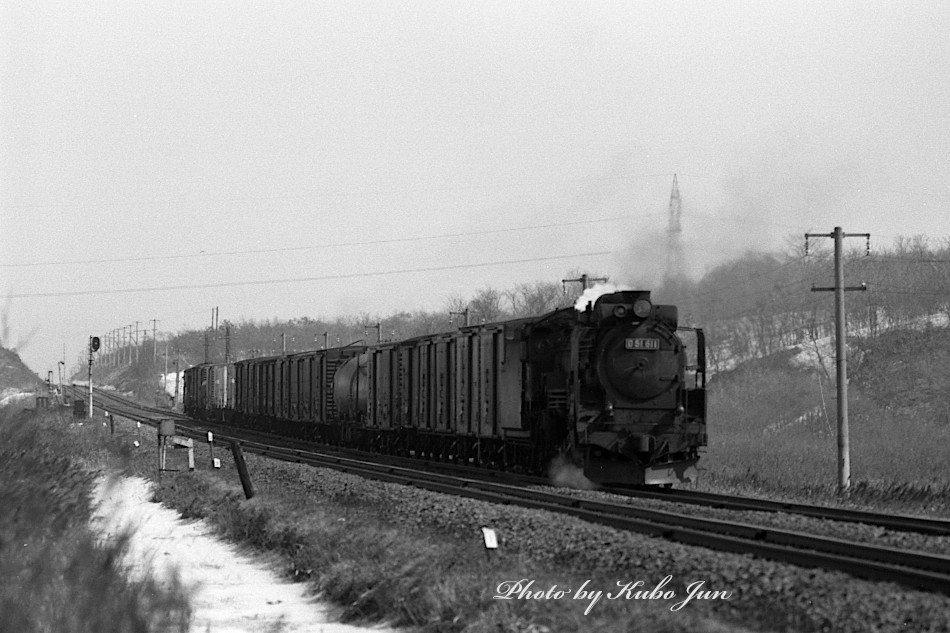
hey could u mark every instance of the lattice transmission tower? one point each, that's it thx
(675, 259)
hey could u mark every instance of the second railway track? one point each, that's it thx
(911, 568)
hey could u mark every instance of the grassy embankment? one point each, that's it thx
(54, 575)
(373, 569)
(773, 428)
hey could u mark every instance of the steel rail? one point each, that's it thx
(899, 522)
(916, 569)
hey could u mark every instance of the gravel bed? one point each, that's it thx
(856, 532)
(762, 591)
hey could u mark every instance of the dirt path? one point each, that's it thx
(231, 592)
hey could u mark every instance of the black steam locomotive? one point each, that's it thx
(617, 388)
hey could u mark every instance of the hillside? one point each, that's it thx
(906, 372)
(15, 377)
(773, 424)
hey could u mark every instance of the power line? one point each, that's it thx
(912, 260)
(302, 279)
(287, 249)
(909, 291)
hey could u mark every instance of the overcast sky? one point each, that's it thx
(387, 156)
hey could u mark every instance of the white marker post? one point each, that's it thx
(215, 463)
(491, 541)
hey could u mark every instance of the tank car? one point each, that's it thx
(610, 387)
(614, 388)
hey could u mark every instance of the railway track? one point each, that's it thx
(896, 522)
(106, 400)
(912, 568)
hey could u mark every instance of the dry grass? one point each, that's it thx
(428, 580)
(54, 575)
(773, 429)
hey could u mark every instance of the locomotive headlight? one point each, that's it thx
(642, 308)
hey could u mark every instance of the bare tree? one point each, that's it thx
(540, 297)
(486, 305)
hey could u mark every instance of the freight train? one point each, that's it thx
(618, 388)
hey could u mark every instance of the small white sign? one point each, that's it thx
(138, 425)
(217, 463)
(135, 443)
(491, 539)
(210, 437)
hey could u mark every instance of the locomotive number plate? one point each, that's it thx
(642, 343)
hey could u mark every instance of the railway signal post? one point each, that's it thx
(841, 350)
(93, 347)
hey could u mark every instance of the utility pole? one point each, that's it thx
(177, 361)
(841, 350)
(379, 331)
(464, 313)
(211, 336)
(154, 340)
(584, 281)
(137, 342)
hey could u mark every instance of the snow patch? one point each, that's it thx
(230, 592)
(7, 398)
(812, 354)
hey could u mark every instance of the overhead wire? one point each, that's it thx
(286, 249)
(301, 279)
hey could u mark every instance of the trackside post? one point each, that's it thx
(242, 470)
(166, 429)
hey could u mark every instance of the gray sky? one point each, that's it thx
(217, 143)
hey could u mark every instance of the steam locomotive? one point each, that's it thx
(616, 387)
